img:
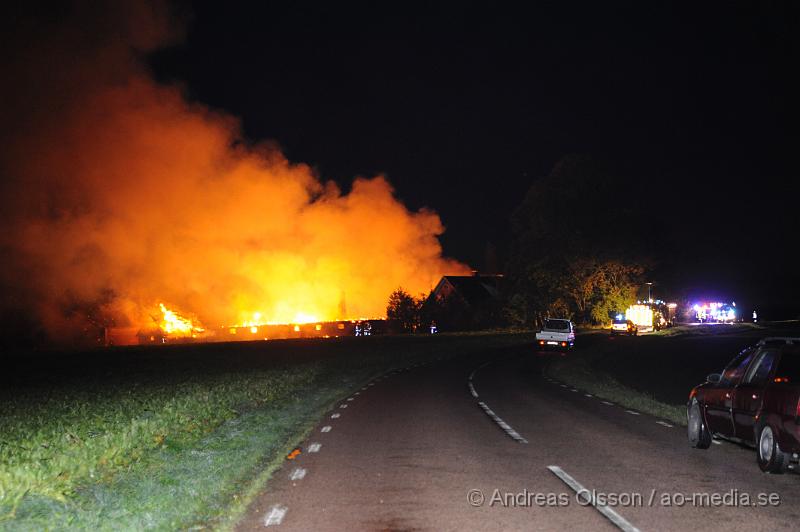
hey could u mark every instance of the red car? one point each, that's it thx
(756, 401)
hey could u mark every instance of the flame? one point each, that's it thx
(176, 325)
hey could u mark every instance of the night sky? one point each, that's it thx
(464, 107)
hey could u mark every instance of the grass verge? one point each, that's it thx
(177, 438)
(579, 372)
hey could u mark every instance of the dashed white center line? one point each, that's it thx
(665, 424)
(314, 447)
(588, 496)
(350, 398)
(502, 424)
(297, 474)
(275, 515)
(336, 415)
(472, 390)
(633, 412)
(574, 390)
(326, 428)
(563, 385)
(343, 405)
(588, 395)
(607, 403)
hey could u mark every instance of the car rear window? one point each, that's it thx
(556, 325)
(759, 372)
(789, 365)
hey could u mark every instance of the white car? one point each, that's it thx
(556, 334)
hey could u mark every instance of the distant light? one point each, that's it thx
(296, 328)
(254, 329)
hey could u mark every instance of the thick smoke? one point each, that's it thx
(118, 195)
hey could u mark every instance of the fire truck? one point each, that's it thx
(651, 315)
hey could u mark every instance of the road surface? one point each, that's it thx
(488, 443)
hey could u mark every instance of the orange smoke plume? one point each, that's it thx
(119, 195)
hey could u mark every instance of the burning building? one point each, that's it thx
(121, 195)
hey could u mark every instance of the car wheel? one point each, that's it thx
(770, 457)
(699, 436)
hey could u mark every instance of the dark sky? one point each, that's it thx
(463, 107)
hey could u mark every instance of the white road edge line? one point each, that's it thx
(326, 428)
(582, 492)
(717, 442)
(607, 403)
(275, 515)
(314, 447)
(588, 395)
(633, 412)
(665, 424)
(336, 415)
(297, 474)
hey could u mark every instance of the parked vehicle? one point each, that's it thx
(620, 326)
(556, 334)
(756, 401)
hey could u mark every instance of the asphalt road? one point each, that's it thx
(409, 451)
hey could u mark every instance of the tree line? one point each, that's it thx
(580, 247)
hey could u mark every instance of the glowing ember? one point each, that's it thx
(299, 318)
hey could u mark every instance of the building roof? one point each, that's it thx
(473, 289)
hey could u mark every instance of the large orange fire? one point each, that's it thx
(122, 195)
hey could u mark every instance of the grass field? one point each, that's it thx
(177, 436)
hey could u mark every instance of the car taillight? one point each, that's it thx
(541, 342)
(563, 344)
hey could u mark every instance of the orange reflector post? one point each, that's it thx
(294, 454)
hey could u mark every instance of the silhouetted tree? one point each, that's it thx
(580, 240)
(405, 309)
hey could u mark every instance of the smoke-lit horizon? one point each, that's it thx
(119, 194)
